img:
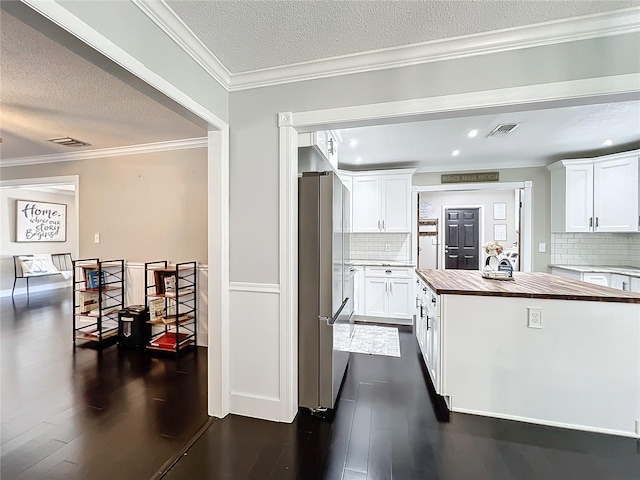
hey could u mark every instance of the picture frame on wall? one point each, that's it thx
(500, 211)
(40, 221)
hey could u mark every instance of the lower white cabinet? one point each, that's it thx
(389, 292)
(358, 291)
(428, 332)
(635, 284)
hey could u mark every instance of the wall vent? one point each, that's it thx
(68, 142)
(503, 129)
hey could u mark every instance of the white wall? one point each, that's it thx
(9, 246)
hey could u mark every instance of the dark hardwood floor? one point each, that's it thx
(385, 429)
(118, 414)
(111, 414)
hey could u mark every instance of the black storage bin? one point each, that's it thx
(133, 329)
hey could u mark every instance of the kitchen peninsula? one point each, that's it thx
(541, 349)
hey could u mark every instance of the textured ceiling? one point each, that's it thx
(48, 91)
(248, 35)
(542, 136)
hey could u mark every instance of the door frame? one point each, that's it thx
(290, 124)
(526, 219)
(442, 232)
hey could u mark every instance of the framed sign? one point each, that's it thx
(500, 233)
(40, 222)
(499, 211)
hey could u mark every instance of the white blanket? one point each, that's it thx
(41, 264)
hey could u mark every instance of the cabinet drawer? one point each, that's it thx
(388, 272)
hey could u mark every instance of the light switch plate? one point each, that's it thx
(96, 238)
(542, 247)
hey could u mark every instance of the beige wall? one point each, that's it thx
(541, 209)
(9, 246)
(145, 207)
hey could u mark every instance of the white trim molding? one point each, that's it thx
(421, 108)
(548, 423)
(163, 16)
(288, 268)
(528, 36)
(169, 145)
(254, 287)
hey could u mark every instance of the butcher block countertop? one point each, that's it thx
(526, 285)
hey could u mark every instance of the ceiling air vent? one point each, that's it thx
(68, 142)
(502, 130)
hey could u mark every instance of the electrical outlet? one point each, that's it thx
(96, 238)
(534, 317)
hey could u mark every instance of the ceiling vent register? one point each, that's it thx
(68, 142)
(503, 129)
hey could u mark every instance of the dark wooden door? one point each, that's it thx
(462, 238)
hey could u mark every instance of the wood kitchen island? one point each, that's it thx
(580, 370)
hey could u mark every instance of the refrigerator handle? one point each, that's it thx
(332, 320)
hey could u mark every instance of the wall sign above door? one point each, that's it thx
(470, 177)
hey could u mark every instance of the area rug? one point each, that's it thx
(369, 339)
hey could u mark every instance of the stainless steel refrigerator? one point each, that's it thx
(325, 290)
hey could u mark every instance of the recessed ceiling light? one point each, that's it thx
(455, 153)
(353, 143)
(472, 133)
(607, 142)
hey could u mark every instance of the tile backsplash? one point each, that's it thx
(380, 246)
(613, 249)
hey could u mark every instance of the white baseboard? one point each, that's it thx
(548, 423)
(255, 406)
(22, 290)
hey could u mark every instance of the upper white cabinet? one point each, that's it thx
(323, 142)
(595, 195)
(382, 203)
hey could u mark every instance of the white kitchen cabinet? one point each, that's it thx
(377, 302)
(382, 203)
(635, 284)
(324, 142)
(601, 279)
(621, 282)
(358, 291)
(428, 332)
(595, 195)
(389, 292)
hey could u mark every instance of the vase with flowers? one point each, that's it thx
(494, 267)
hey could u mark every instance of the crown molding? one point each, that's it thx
(165, 18)
(548, 33)
(108, 152)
